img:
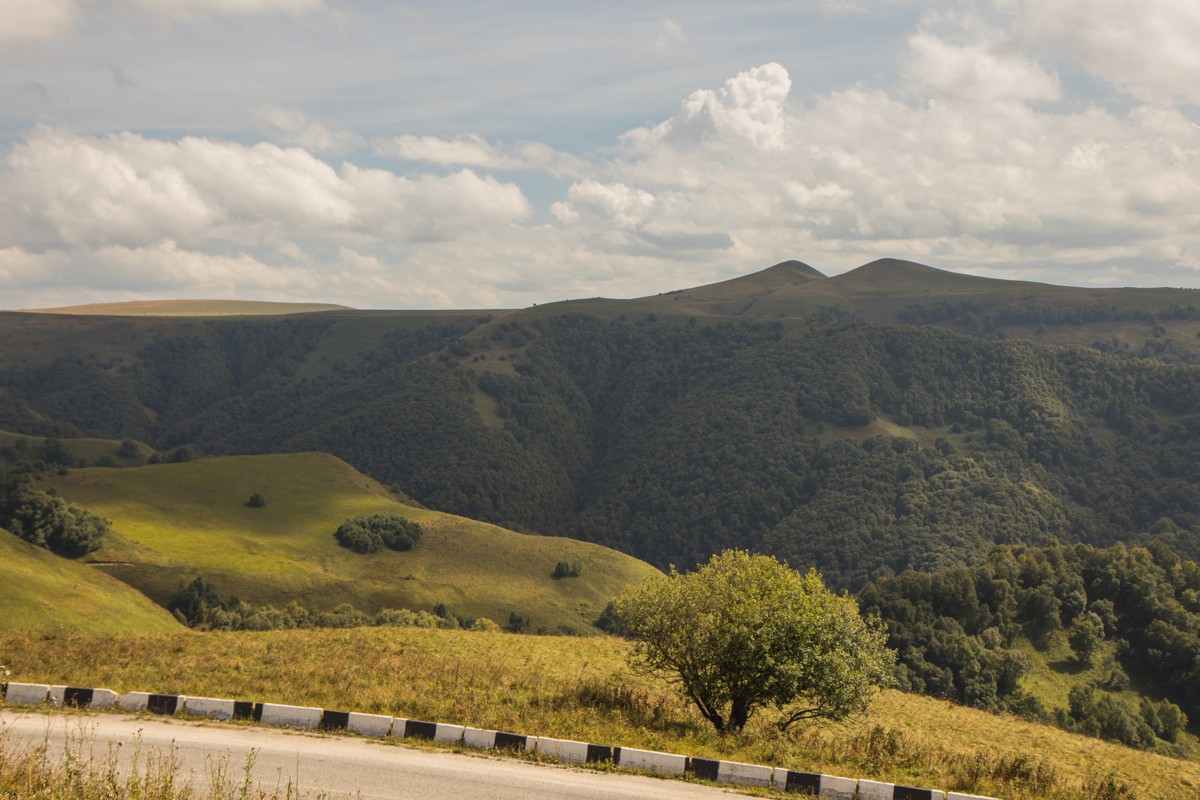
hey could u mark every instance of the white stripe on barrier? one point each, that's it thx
(211, 707)
(398, 727)
(133, 701)
(479, 738)
(27, 694)
(291, 716)
(649, 760)
(104, 698)
(369, 724)
(563, 749)
(448, 734)
(874, 790)
(960, 796)
(836, 788)
(744, 774)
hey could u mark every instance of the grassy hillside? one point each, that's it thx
(580, 689)
(41, 591)
(174, 521)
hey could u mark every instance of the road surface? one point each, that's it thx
(333, 767)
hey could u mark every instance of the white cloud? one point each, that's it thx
(25, 21)
(614, 203)
(1150, 48)
(474, 151)
(66, 190)
(978, 73)
(749, 108)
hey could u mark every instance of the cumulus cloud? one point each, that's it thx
(474, 151)
(749, 109)
(66, 190)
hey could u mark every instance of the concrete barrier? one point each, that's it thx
(651, 761)
(369, 724)
(599, 753)
(790, 780)
(961, 796)
(874, 790)
(562, 749)
(513, 741)
(836, 788)
(914, 793)
(705, 768)
(166, 704)
(433, 731)
(743, 774)
(479, 738)
(210, 707)
(334, 720)
(27, 694)
(291, 716)
(79, 697)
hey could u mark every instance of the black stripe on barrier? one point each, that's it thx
(420, 730)
(510, 741)
(599, 752)
(335, 720)
(162, 703)
(80, 698)
(705, 768)
(244, 709)
(910, 793)
(803, 782)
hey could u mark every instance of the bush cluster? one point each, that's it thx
(370, 534)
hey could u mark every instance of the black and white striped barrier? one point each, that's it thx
(831, 787)
(166, 704)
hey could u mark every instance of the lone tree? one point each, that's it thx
(745, 632)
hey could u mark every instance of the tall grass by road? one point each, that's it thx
(579, 688)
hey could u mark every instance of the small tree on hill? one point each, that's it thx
(256, 500)
(745, 632)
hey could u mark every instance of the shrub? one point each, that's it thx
(370, 534)
(256, 500)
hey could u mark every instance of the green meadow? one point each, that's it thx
(173, 522)
(41, 590)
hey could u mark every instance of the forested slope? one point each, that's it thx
(667, 429)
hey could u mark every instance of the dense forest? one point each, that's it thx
(955, 630)
(861, 448)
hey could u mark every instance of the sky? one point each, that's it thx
(462, 154)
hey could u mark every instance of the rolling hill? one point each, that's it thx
(172, 522)
(40, 591)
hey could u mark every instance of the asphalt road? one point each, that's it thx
(326, 766)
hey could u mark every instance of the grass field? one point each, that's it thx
(41, 590)
(579, 688)
(172, 522)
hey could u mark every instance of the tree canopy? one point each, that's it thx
(745, 632)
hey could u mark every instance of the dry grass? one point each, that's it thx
(75, 769)
(579, 689)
